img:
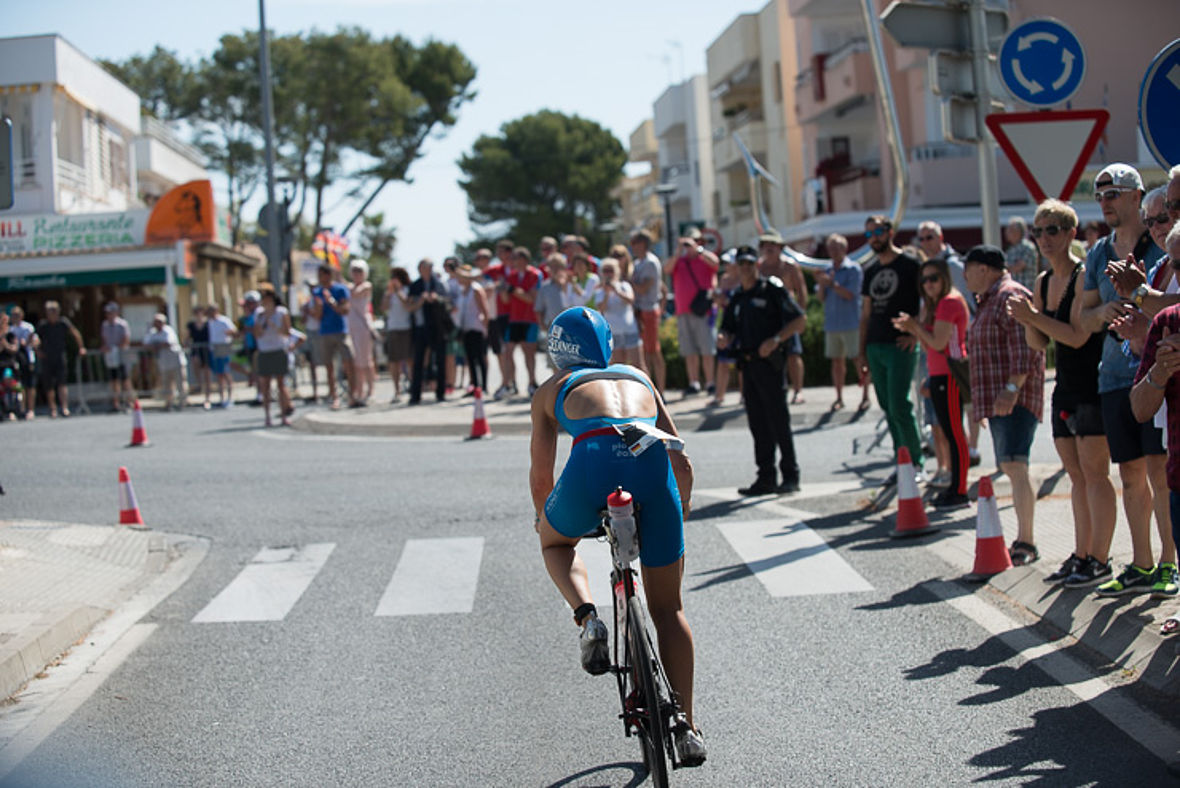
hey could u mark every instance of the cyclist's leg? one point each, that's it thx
(563, 564)
(661, 584)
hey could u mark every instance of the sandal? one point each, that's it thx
(1170, 626)
(837, 405)
(1023, 553)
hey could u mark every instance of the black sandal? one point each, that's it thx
(1023, 553)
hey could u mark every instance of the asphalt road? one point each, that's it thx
(885, 686)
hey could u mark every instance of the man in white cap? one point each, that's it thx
(1138, 449)
(116, 355)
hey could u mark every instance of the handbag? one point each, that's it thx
(702, 302)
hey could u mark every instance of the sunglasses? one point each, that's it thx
(927, 237)
(931, 278)
(876, 231)
(1108, 194)
(1159, 218)
(746, 261)
(1049, 229)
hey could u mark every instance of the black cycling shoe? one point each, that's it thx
(788, 487)
(759, 487)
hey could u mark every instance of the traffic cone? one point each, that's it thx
(138, 433)
(991, 554)
(479, 425)
(128, 508)
(911, 513)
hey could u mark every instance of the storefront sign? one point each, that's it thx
(153, 275)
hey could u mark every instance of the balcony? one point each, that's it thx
(822, 9)
(943, 175)
(835, 83)
(643, 145)
(864, 193)
(680, 175)
(729, 57)
(727, 154)
(670, 110)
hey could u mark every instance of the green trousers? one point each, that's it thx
(893, 376)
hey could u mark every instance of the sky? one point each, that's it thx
(608, 62)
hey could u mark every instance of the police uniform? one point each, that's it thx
(752, 317)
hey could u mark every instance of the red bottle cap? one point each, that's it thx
(619, 498)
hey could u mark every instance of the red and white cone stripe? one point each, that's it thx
(128, 507)
(138, 432)
(991, 554)
(479, 424)
(911, 512)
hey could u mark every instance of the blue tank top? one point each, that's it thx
(577, 427)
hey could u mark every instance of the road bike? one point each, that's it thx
(650, 707)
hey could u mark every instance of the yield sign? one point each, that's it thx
(1049, 149)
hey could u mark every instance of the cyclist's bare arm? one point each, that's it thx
(543, 447)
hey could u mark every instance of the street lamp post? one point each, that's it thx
(666, 190)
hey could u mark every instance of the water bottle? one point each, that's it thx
(622, 523)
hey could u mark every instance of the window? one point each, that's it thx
(68, 117)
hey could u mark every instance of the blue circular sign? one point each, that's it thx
(1041, 62)
(1159, 106)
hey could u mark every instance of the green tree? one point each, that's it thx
(376, 245)
(164, 83)
(544, 173)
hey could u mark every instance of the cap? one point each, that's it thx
(468, 271)
(986, 254)
(251, 295)
(111, 306)
(1123, 175)
(694, 233)
(746, 253)
(771, 237)
(580, 337)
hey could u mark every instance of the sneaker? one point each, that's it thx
(710, 389)
(941, 480)
(693, 388)
(1165, 582)
(501, 393)
(689, 745)
(1068, 567)
(950, 500)
(974, 458)
(593, 641)
(759, 487)
(1133, 580)
(1090, 573)
(532, 389)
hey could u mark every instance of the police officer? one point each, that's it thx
(761, 316)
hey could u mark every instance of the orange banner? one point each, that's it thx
(184, 212)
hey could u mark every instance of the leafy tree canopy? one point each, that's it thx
(544, 174)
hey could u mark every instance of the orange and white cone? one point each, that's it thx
(991, 554)
(128, 508)
(911, 512)
(138, 433)
(479, 424)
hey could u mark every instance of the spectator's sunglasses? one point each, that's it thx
(1109, 194)
(876, 231)
(1050, 229)
(1159, 218)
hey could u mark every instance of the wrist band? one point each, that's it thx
(1153, 384)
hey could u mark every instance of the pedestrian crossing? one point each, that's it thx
(441, 576)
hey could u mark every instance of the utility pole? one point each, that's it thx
(989, 190)
(273, 240)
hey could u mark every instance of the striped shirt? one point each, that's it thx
(996, 350)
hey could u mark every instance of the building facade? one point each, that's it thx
(680, 118)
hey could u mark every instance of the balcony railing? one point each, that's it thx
(27, 169)
(72, 176)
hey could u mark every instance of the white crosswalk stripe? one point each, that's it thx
(269, 586)
(434, 576)
(786, 556)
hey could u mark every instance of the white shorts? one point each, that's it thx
(696, 336)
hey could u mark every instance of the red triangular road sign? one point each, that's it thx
(1049, 149)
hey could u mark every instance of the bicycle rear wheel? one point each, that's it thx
(651, 726)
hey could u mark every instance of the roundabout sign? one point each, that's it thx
(1041, 62)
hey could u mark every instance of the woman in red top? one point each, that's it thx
(943, 333)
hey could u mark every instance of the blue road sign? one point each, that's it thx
(1159, 106)
(1041, 62)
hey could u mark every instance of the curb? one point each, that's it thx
(38, 645)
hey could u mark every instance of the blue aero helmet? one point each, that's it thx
(580, 337)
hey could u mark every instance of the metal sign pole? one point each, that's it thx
(274, 270)
(989, 190)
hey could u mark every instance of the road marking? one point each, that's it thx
(790, 559)
(269, 586)
(434, 576)
(786, 556)
(1146, 728)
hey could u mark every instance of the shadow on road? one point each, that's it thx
(918, 594)
(596, 776)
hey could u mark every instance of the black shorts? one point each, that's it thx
(1077, 420)
(518, 333)
(53, 372)
(1127, 438)
(496, 327)
(794, 345)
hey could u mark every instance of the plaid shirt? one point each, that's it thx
(996, 350)
(1167, 318)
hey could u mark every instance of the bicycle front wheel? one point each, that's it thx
(652, 728)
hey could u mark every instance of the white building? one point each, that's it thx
(681, 120)
(87, 169)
